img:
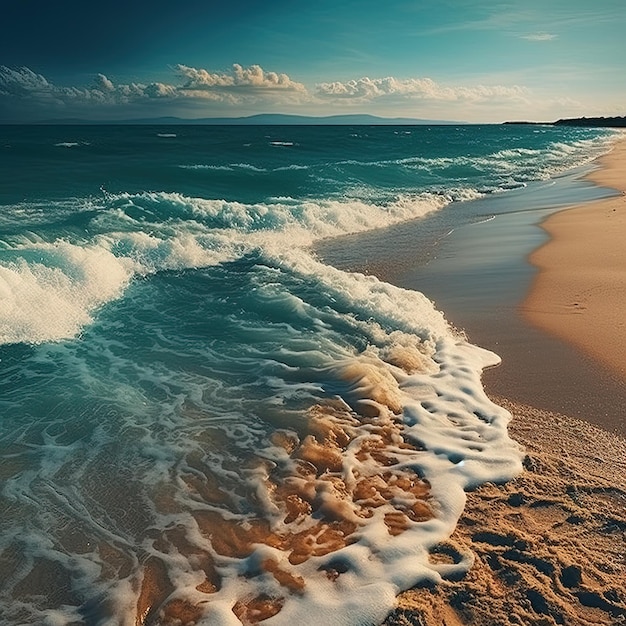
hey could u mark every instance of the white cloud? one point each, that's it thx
(102, 83)
(367, 89)
(539, 37)
(21, 81)
(251, 79)
(22, 86)
(197, 92)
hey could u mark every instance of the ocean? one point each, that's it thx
(202, 420)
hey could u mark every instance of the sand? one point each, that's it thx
(550, 546)
(579, 293)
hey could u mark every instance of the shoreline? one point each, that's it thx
(548, 545)
(478, 274)
(579, 291)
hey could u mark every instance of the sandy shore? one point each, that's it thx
(579, 293)
(550, 546)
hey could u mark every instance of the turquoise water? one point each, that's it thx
(197, 412)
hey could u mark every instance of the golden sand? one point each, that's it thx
(579, 294)
(550, 546)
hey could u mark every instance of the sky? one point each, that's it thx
(478, 61)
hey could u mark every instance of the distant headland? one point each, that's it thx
(596, 122)
(263, 119)
(277, 119)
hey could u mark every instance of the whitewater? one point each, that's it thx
(201, 420)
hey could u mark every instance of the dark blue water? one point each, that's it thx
(196, 414)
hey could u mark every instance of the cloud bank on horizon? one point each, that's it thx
(26, 95)
(471, 60)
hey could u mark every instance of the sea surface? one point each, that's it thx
(201, 420)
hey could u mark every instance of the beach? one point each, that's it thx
(255, 374)
(550, 546)
(579, 293)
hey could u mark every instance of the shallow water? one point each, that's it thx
(200, 420)
(479, 275)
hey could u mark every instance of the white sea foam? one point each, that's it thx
(506, 169)
(53, 288)
(317, 217)
(200, 166)
(460, 438)
(224, 168)
(248, 166)
(292, 167)
(71, 144)
(53, 296)
(429, 421)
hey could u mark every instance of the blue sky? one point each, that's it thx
(473, 60)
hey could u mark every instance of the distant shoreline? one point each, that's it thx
(279, 119)
(589, 122)
(262, 119)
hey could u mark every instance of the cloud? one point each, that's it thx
(251, 79)
(103, 83)
(197, 92)
(25, 85)
(23, 90)
(367, 89)
(22, 81)
(539, 37)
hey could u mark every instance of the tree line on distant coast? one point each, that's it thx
(612, 122)
(593, 121)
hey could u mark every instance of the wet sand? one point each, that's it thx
(549, 546)
(478, 274)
